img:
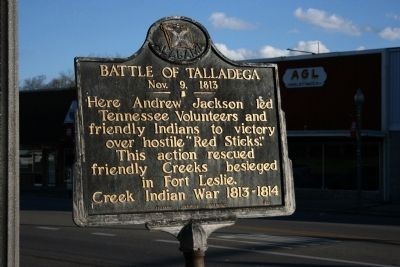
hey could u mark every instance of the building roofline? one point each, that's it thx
(46, 90)
(321, 55)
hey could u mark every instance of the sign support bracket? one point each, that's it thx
(192, 236)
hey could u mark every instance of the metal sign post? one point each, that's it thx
(192, 237)
(180, 138)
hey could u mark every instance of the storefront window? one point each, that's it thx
(332, 164)
(372, 156)
(31, 166)
(307, 164)
(51, 168)
(37, 167)
(340, 166)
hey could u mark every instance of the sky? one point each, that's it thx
(53, 32)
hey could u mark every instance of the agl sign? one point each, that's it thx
(304, 77)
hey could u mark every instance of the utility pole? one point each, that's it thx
(9, 136)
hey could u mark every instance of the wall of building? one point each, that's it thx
(392, 68)
(331, 106)
(45, 144)
(320, 121)
(394, 166)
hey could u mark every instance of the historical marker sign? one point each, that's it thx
(178, 132)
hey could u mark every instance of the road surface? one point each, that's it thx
(50, 238)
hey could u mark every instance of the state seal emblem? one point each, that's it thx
(178, 40)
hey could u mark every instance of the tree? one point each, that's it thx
(36, 82)
(63, 80)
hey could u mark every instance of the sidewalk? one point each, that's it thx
(337, 206)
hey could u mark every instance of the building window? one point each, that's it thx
(31, 166)
(340, 166)
(332, 164)
(372, 163)
(51, 168)
(38, 167)
(307, 164)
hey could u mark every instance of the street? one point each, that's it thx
(50, 238)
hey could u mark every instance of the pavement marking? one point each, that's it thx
(264, 243)
(290, 255)
(297, 232)
(48, 228)
(287, 242)
(102, 234)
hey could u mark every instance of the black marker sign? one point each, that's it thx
(178, 132)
